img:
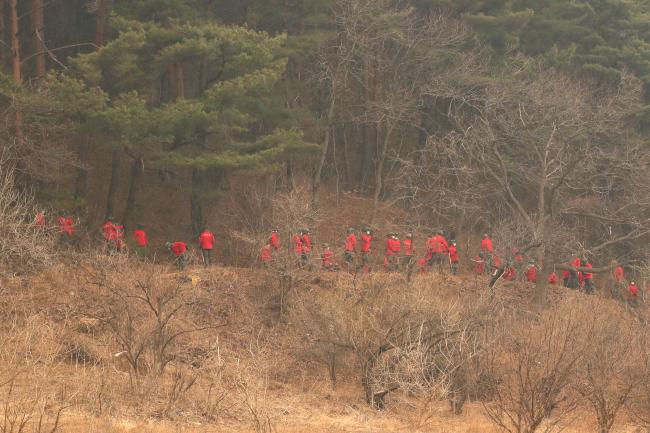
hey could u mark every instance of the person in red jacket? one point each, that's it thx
(454, 258)
(305, 257)
(179, 249)
(619, 274)
(423, 265)
(518, 264)
(572, 278)
(366, 245)
(393, 247)
(120, 243)
(350, 248)
(479, 264)
(275, 239)
(509, 274)
(409, 251)
(327, 259)
(265, 255)
(141, 241)
(40, 220)
(633, 293)
(487, 248)
(206, 241)
(438, 247)
(588, 277)
(531, 272)
(552, 278)
(297, 248)
(109, 232)
(66, 228)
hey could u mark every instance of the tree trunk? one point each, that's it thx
(3, 44)
(323, 155)
(114, 183)
(100, 24)
(290, 183)
(15, 63)
(541, 285)
(39, 36)
(137, 170)
(196, 209)
(178, 76)
(379, 181)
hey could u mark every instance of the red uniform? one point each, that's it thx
(486, 245)
(509, 274)
(275, 241)
(297, 244)
(306, 243)
(178, 248)
(438, 244)
(552, 278)
(479, 266)
(453, 254)
(366, 243)
(633, 289)
(265, 254)
(351, 243)
(40, 220)
(496, 261)
(140, 237)
(423, 266)
(393, 246)
(110, 231)
(588, 275)
(206, 240)
(328, 263)
(66, 225)
(619, 274)
(409, 248)
(531, 274)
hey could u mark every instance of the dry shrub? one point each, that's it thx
(23, 245)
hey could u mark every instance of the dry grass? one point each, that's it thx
(255, 374)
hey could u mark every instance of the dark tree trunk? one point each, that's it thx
(369, 144)
(36, 15)
(137, 170)
(15, 63)
(196, 208)
(101, 20)
(114, 183)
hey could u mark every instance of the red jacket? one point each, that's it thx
(453, 254)
(297, 244)
(438, 244)
(486, 245)
(66, 225)
(109, 230)
(306, 243)
(206, 239)
(552, 278)
(633, 289)
(178, 248)
(619, 274)
(327, 259)
(409, 248)
(366, 242)
(351, 243)
(531, 274)
(275, 241)
(423, 266)
(140, 237)
(40, 219)
(509, 274)
(496, 261)
(479, 266)
(588, 275)
(393, 246)
(265, 254)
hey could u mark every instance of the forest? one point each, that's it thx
(527, 120)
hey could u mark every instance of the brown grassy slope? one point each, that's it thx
(251, 370)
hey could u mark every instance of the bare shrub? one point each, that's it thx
(24, 246)
(532, 365)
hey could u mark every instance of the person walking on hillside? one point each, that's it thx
(66, 229)
(454, 257)
(572, 278)
(366, 245)
(274, 241)
(141, 241)
(633, 293)
(438, 248)
(305, 257)
(206, 241)
(479, 264)
(391, 253)
(297, 248)
(350, 249)
(109, 232)
(552, 278)
(179, 250)
(327, 259)
(409, 251)
(531, 272)
(266, 256)
(40, 220)
(120, 243)
(487, 248)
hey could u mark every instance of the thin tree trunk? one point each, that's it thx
(137, 170)
(196, 209)
(290, 182)
(541, 285)
(178, 76)
(323, 155)
(100, 24)
(3, 45)
(379, 181)
(39, 36)
(114, 183)
(15, 64)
